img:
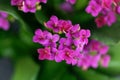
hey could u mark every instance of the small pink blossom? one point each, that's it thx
(4, 23)
(105, 60)
(40, 37)
(100, 21)
(93, 8)
(44, 53)
(53, 24)
(84, 35)
(110, 18)
(67, 55)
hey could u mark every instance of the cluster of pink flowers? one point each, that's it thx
(72, 47)
(27, 5)
(93, 54)
(104, 10)
(4, 23)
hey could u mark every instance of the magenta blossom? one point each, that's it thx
(29, 6)
(41, 37)
(65, 25)
(65, 43)
(4, 23)
(74, 31)
(100, 21)
(105, 60)
(97, 52)
(53, 24)
(67, 55)
(93, 8)
(84, 35)
(57, 55)
(110, 18)
(107, 4)
(44, 53)
(52, 39)
(66, 7)
(105, 10)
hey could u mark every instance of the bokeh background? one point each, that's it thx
(18, 54)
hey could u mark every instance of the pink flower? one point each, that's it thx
(4, 23)
(66, 7)
(107, 4)
(67, 55)
(110, 18)
(57, 55)
(74, 31)
(52, 39)
(95, 60)
(53, 24)
(65, 25)
(65, 43)
(84, 62)
(105, 60)
(29, 6)
(79, 45)
(40, 37)
(3, 14)
(93, 8)
(100, 21)
(84, 35)
(44, 53)
(76, 57)
(117, 9)
(16, 2)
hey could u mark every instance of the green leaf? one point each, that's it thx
(93, 75)
(41, 17)
(6, 49)
(55, 71)
(51, 71)
(68, 76)
(81, 4)
(6, 7)
(108, 35)
(25, 32)
(25, 69)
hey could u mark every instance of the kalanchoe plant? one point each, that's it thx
(73, 47)
(70, 40)
(104, 10)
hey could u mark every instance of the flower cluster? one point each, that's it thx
(104, 10)
(68, 47)
(94, 53)
(4, 24)
(28, 5)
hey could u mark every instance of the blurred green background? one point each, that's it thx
(18, 55)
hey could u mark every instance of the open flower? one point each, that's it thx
(44, 53)
(4, 23)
